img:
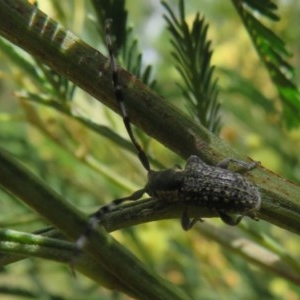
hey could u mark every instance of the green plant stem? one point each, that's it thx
(115, 259)
(24, 244)
(27, 27)
(278, 261)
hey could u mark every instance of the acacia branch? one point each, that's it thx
(114, 259)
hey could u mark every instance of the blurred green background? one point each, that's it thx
(89, 170)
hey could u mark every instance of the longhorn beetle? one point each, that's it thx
(198, 184)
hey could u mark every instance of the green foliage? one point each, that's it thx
(272, 52)
(192, 55)
(75, 148)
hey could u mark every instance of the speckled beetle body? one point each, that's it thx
(213, 187)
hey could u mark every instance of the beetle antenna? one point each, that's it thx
(120, 97)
